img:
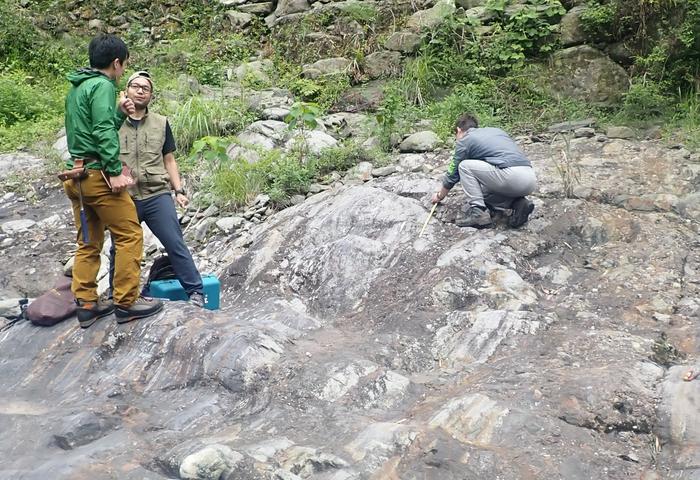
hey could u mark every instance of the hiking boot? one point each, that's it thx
(198, 299)
(89, 312)
(522, 208)
(474, 217)
(143, 307)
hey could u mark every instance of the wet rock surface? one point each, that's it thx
(348, 347)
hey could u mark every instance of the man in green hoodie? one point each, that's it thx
(92, 129)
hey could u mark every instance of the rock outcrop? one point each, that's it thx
(349, 347)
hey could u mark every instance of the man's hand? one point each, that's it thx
(120, 182)
(182, 200)
(126, 105)
(439, 195)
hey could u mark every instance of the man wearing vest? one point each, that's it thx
(92, 124)
(494, 173)
(147, 145)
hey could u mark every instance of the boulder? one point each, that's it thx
(327, 66)
(211, 463)
(482, 16)
(620, 132)
(689, 206)
(19, 162)
(287, 7)
(467, 4)
(61, 147)
(275, 113)
(254, 73)
(425, 141)
(260, 8)
(403, 41)
(571, 125)
(314, 141)
(361, 98)
(622, 52)
(17, 226)
(362, 171)
(382, 64)
(239, 19)
(269, 98)
(350, 125)
(571, 31)
(586, 73)
(431, 18)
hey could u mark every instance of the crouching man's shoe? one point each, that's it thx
(143, 307)
(522, 208)
(474, 217)
(89, 312)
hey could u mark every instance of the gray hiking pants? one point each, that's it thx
(485, 184)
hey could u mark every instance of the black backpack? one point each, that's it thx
(161, 269)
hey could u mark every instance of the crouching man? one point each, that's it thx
(494, 172)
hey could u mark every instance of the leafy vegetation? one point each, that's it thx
(493, 68)
(302, 117)
(235, 182)
(197, 117)
(665, 33)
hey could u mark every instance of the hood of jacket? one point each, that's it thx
(79, 76)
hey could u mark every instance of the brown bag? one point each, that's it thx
(53, 306)
(79, 171)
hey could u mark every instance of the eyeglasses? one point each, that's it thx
(143, 88)
(141, 74)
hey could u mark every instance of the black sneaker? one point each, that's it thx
(89, 312)
(143, 307)
(474, 217)
(198, 299)
(522, 208)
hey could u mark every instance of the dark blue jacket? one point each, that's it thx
(491, 145)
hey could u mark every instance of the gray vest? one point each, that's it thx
(141, 149)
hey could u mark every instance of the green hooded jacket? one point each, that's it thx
(93, 121)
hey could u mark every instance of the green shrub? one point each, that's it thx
(686, 118)
(233, 182)
(25, 47)
(665, 35)
(341, 158)
(28, 111)
(527, 33)
(288, 177)
(323, 91)
(516, 103)
(470, 98)
(395, 114)
(18, 101)
(646, 101)
(600, 21)
(197, 117)
(238, 182)
(362, 13)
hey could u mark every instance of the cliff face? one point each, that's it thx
(349, 348)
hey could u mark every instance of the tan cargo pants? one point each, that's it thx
(116, 212)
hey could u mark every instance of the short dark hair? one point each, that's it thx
(103, 49)
(467, 121)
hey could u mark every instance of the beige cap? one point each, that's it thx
(141, 74)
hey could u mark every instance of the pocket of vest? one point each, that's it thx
(156, 177)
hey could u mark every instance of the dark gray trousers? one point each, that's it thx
(161, 217)
(485, 184)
